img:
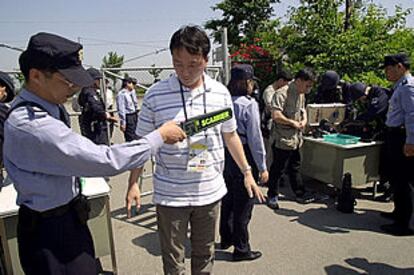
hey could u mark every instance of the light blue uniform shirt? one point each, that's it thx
(401, 107)
(246, 112)
(126, 103)
(43, 156)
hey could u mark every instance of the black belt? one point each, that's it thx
(54, 212)
(134, 113)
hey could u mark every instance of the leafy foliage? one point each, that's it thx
(242, 19)
(112, 60)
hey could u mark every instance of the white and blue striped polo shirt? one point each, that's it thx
(173, 184)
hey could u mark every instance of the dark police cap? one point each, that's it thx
(7, 82)
(50, 51)
(394, 59)
(130, 79)
(329, 80)
(357, 90)
(94, 73)
(242, 72)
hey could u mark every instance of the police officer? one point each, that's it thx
(127, 104)
(93, 120)
(6, 95)
(329, 90)
(45, 158)
(400, 142)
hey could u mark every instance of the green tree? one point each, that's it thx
(113, 60)
(242, 19)
(155, 73)
(314, 35)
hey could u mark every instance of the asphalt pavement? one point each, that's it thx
(296, 239)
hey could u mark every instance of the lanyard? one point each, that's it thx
(183, 100)
(204, 103)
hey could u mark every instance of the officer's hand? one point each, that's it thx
(251, 187)
(133, 194)
(409, 150)
(171, 132)
(123, 128)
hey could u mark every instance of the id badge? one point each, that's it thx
(198, 158)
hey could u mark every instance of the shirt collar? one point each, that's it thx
(26, 95)
(404, 78)
(175, 84)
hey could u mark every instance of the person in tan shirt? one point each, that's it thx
(289, 117)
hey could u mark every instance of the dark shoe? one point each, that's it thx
(273, 203)
(225, 246)
(388, 215)
(305, 198)
(251, 256)
(396, 229)
(384, 197)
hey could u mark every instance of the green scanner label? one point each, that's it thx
(200, 123)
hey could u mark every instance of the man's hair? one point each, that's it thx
(237, 87)
(39, 61)
(284, 74)
(306, 74)
(192, 38)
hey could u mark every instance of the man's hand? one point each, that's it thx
(111, 118)
(252, 188)
(123, 128)
(264, 177)
(171, 132)
(132, 195)
(409, 150)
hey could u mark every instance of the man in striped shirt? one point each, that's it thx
(188, 181)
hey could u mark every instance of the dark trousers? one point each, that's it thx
(54, 245)
(400, 174)
(288, 162)
(236, 206)
(131, 121)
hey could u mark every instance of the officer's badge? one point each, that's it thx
(80, 55)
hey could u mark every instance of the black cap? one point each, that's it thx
(130, 79)
(6, 80)
(357, 90)
(50, 51)
(94, 73)
(329, 80)
(242, 72)
(394, 59)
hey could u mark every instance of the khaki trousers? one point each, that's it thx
(172, 229)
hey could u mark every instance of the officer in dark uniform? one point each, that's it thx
(45, 160)
(400, 143)
(7, 94)
(369, 109)
(93, 119)
(329, 90)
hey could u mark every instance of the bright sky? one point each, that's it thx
(129, 27)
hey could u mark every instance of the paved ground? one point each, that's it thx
(297, 239)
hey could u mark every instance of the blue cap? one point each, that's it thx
(50, 51)
(394, 59)
(242, 72)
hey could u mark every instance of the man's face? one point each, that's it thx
(303, 86)
(57, 88)
(189, 67)
(394, 72)
(3, 92)
(130, 86)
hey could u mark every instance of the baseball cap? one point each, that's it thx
(329, 80)
(394, 59)
(242, 72)
(6, 80)
(50, 51)
(94, 73)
